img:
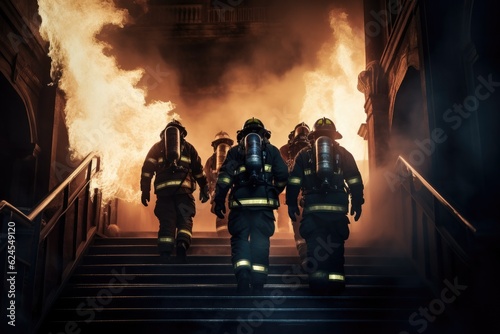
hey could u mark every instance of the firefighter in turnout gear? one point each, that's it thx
(254, 174)
(221, 144)
(176, 168)
(327, 174)
(297, 140)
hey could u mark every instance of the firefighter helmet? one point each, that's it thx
(179, 126)
(253, 125)
(222, 137)
(301, 129)
(325, 127)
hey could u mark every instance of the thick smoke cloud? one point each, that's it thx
(218, 84)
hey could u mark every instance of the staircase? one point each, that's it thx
(122, 284)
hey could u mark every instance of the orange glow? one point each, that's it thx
(331, 88)
(106, 111)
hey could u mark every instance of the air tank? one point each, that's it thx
(324, 159)
(253, 154)
(172, 144)
(220, 154)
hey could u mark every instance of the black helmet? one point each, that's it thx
(253, 125)
(325, 127)
(178, 125)
(222, 137)
(301, 129)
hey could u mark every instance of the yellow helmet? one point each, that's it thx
(325, 127)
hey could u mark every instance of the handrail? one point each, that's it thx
(45, 272)
(24, 219)
(40, 207)
(30, 218)
(437, 195)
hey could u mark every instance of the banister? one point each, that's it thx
(4, 205)
(37, 293)
(53, 194)
(438, 196)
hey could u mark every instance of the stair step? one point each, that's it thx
(215, 278)
(197, 301)
(211, 259)
(293, 288)
(122, 284)
(255, 323)
(226, 268)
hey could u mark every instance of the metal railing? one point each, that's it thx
(441, 241)
(39, 249)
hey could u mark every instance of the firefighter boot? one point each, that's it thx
(243, 279)
(181, 252)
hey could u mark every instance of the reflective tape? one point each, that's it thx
(153, 161)
(254, 202)
(166, 239)
(353, 180)
(326, 207)
(242, 263)
(224, 180)
(199, 176)
(259, 268)
(307, 171)
(186, 159)
(336, 277)
(239, 170)
(173, 183)
(268, 168)
(185, 232)
(294, 180)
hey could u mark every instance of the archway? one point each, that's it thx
(18, 165)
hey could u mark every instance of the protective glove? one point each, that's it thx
(356, 208)
(292, 211)
(204, 194)
(220, 210)
(145, 198)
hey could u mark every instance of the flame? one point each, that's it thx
(105, 111)
(331, 88)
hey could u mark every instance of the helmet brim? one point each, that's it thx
(328, 133)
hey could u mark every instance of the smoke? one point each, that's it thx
(265, 76)
(119, 74)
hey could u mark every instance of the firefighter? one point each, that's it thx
(255, 174)
(221, 145)
(297, 140)
(327, 175)
(177, 168)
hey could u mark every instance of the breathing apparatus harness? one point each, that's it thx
(252, 151)
(327, 165)
(173, 144)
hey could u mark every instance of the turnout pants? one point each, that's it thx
(175, 213)
(325, 235)
(250, 231)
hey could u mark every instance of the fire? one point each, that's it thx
(331, 88)
(105, 111)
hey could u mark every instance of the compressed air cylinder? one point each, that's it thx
(324, 159)
(253, 154)
(220, 154)
(172, 144)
